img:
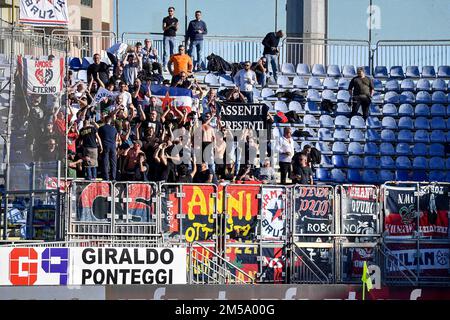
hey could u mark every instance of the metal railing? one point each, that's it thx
(304, 269)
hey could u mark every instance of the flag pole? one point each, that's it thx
(364, 291)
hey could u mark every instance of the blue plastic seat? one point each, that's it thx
(318, 70)
(343, 96)
(387, 149)
(312, 107)
(371, 149)
(300, 82)
(377, 98)
(386, 175)
(390, 110)
(354, 175)
(330, 84)
(343, 84)
(75, 64)
(406, 110)
(437, 163)
(403, 163)
(420, 149)
(405, 136)
(402, 175)
(322, 174)
(371, 162)
(403, 149)
(422, 110)
(373, 123)
(439, 97)
(406, 123)
(421, 136)
(326, 121)
(333, 71)
(438, 110)
(329, 95)
(392, 85)
(326, 162)
(343, 109)
(408, 85)
(296, 106)
(421, 123)
(428, 72)
(420, 163)
(325, 134)
(86, 62)
(310, 121)
(388, 136)
(396, 72)
(438, 136)
(367, 70)
(419, 175)
(423, 97)
(357, 122)
(323, 147)
(372, 135)
(340, 135)
(281, 106)
(212, 80)
(438, 123)
(283, 82)
(439, 85)
(288, 68)
(339, 148)
(392, 97)
(355, 162)
(357, 135)
(339, 161)
(436, 150)
(438, 176)
(447, 179)
(370, 177)
(389, 123)
(423, 85)
(355, 148)
(374, 110)
(386, 162)
(448, 135)
(407, 97)
(448, 124)
(348, 71)
(447, 164)
(268, 94)
(378, 85)
(443, 72)
(338, 176)
(380, 72)
(341, 122)
(313, 95)
(315, 83)
(303, 69)
(412, 72)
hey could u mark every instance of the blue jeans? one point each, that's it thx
(198, 45)
(91, 173)
(169, 46)
(109, 163)
(248, 95)
(272, 60)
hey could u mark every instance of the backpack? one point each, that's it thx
(315, 156)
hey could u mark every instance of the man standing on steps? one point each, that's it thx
(286, 154)
(170, 28)
(109, 136)
(271, 52)
(361, 89)
(195, 32)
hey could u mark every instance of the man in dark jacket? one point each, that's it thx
(195, 32)
(108, 135)
(271, 52)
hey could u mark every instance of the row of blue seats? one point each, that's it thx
(343, 84)
(349, 71)
(383, 149)
(379, 176)
(386, 162)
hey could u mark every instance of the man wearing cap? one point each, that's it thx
(109, 136)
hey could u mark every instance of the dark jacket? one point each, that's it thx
(194, 27)
(270, 41)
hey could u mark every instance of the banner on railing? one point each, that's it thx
(403, 210)
(43, 76)
(44, 13)
(431, 260)
(273, 219)
(359, 210)
(202, 268)
(313, 210)
(273, 265)
(353, 261)
(322, 259)
(92, 266)
(243, 206)
(235, 116)
(245, 258)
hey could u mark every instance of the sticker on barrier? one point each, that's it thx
(242, 208)
(432, 260)
(245, 257)
(273, 213)
(359, 210)
(313, 207)
(191, 212)
(405, 206)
